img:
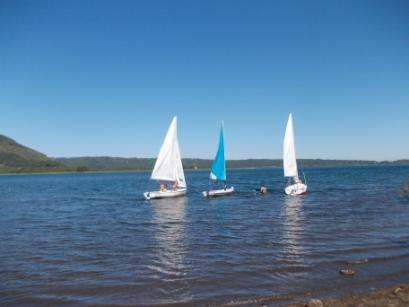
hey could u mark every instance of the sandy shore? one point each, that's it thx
(395, 296)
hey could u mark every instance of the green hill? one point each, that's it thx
(107, 163)
(117, 163)
(16, 158)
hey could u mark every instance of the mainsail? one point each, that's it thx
(168, 166)
(290, 162)
(218, 171)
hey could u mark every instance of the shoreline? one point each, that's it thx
(187, 169)
(129, 171)
(397, 296)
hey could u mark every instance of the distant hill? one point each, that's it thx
(108, 163)
(15, 157)
(116, 163)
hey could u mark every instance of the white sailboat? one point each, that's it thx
(168, 167)
(218, 171)
(295, 186)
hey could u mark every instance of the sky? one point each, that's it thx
(93, 78)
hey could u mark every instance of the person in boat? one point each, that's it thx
(174, 186)
(161, 187)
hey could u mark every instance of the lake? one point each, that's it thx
(91, 238)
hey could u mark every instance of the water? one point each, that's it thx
(92, 239)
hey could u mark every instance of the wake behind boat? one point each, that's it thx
(218, 171)
(168, 168)
(295, 186)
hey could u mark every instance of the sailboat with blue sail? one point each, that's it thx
(218, 171)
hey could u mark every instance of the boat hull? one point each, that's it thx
(296, 189)
(220, 192)
(164, 194)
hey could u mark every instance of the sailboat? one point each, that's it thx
(295, 186)
(218, 171)
(168, 167)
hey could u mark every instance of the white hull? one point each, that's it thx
(164, 194)
(218, 192)
(296, 189)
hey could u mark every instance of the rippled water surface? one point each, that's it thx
(92, 239)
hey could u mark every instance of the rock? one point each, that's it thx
(314, 303)
(347, 272)
(397, 290)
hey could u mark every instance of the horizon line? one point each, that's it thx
(238, 159)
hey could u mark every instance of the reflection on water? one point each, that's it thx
(292, 227)
(170, 235)
(171, 247)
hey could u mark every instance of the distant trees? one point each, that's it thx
(81, 169)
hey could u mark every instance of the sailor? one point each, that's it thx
(263, 189)
(161, 187)
(174, 186)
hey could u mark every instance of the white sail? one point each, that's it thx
(168, 166)
(290, 162)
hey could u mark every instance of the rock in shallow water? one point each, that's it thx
(314, 303)
(347, 272)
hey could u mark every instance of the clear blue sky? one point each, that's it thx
(105, 77)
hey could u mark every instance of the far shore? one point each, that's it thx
(72, 172)
(96, 171)
(124, 171)
(91, 171)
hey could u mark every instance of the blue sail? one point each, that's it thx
(218, 171)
